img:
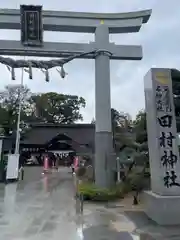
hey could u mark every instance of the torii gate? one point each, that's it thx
(102, 24)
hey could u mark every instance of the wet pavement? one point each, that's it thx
(43, 207)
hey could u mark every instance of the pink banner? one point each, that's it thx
(46, 163)
(76, 162)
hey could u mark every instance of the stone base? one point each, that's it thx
(164, 210)
(8, 181)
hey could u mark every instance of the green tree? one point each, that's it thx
(9, 105)
(140, 127)
(53, 107)
(137, 174)
(122, 130)
(140, 130)
(120, 119)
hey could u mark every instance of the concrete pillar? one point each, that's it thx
(104, 174)
(163, 202)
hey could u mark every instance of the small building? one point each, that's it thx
(48, 137)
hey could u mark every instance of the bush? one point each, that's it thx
(138, 181)
(135, 181)
(91, 192)
(80, 171)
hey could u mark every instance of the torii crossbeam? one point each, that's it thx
(102, 24)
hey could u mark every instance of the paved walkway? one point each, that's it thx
(43, 207)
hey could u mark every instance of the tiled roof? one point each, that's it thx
(43, 133)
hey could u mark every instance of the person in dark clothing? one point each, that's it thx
(72, 167)
(53, 160)
(22, 160)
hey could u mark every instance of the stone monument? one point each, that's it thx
(163, 201)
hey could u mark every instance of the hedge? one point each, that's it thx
(134, 182)
(91, 192)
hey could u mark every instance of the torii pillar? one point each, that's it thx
(104, 152)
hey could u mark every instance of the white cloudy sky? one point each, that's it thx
(160, 39)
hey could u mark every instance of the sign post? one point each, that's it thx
(31, 25)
